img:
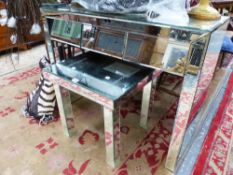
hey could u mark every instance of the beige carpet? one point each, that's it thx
(14, 60)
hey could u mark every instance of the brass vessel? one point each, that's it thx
(204, 11)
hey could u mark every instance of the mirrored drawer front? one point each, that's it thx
(103, 40)
(119, 43)
(67, 30)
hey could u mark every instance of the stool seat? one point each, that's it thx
(227, 45)
(227, 48)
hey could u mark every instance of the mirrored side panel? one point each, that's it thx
(164, 49)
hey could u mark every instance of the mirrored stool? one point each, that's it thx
(106, 81)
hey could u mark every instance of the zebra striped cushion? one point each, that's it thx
(41, 102)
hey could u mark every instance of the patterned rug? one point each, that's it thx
(229, 170)
(29, 149)
(215, 157)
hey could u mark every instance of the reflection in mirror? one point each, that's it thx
(128, 41)
(180, 55)
(103, 40)
(159, 48)
(196, 56)
(121, 25)
(175, 58)
(180, 35)
(67, 30)
(64, 51)
(111, 42)
(88, 35)
(176, 53)
(139, 48)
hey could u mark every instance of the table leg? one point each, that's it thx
(182, 115)
(145, 104)
(146, 97)
(48, 42)
(112, 136)
(65, 110)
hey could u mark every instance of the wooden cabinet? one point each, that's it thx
(5, 34)
(31, 39)
(5, 42)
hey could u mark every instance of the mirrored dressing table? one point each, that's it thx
(188, 50)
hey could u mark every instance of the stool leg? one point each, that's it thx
(65, 110)
(11, 59)
(145, 104)
(112, 136)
